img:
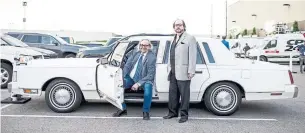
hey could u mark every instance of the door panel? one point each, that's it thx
(109, 77)
(107, 86)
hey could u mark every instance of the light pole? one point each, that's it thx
(212, 20)
(226, 18)
(24, 4)
(288, 16)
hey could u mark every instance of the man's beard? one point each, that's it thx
(179, 31)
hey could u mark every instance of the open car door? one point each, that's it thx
(109, 76)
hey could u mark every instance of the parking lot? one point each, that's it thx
(271, 116)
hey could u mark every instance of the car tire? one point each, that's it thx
(6, 73)
(63, 96)
(70, 56)
(263, 58)
(223, 98)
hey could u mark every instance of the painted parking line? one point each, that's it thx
(94, 117)
(5, 106)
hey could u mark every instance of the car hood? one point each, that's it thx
(43, 51)
(64, 63)
(95, 48)
(12, 50)
(76, 46)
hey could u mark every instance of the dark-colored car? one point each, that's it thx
(49, 42)
(97, 52)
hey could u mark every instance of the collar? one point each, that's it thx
(144, 54)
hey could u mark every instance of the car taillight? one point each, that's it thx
(291, 77)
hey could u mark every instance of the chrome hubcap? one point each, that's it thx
(62, 96)
(224, 98)
(4, 76)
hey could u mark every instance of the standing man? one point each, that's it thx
(140, 71)
(301, 49)
(181, 66)
(226, 43)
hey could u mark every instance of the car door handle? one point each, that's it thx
(198, 71)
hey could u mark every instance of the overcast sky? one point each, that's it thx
(118, 16)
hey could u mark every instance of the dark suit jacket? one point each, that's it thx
(149, 67)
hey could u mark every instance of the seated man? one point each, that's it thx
(139, 71)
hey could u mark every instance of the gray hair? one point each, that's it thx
(151, 46)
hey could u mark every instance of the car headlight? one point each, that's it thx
(23, 59)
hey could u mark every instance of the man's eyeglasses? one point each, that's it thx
(144, 45)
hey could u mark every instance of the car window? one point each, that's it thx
(48, 40)
(13, 35)
(31, 39)
(199, 59)
(208, 52)
(271, 44)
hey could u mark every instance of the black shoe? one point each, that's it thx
(170, 116)
(146, 116)
(183, 119)
(120, 113)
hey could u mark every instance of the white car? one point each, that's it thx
(11, 46)
(221, 80)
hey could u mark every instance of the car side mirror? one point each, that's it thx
(56, 44)
(103, 61)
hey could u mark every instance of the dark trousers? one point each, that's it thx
(302, 60)
(178, 88)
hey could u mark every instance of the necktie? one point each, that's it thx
(138, 73)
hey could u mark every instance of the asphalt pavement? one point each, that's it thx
(267, 116)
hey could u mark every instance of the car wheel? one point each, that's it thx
(263, 58)
(70, 56)
(63, 96)
(223, 98)
(6, 74)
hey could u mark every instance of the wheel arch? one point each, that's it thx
(7, 62)
(68, 52)
(45, 85)
(240, 87)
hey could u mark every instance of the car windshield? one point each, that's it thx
(111, 41)
(62, 41)
(66, 39)
(13, 41)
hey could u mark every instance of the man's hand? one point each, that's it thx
(190, 76)
(135, 87)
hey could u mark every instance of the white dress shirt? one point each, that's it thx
(133, 71)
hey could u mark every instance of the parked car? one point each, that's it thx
(100, 51)
(278, 48)
(49, 42)
(9, 48)
(221, 80)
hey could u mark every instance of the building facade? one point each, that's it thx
(262, 15)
